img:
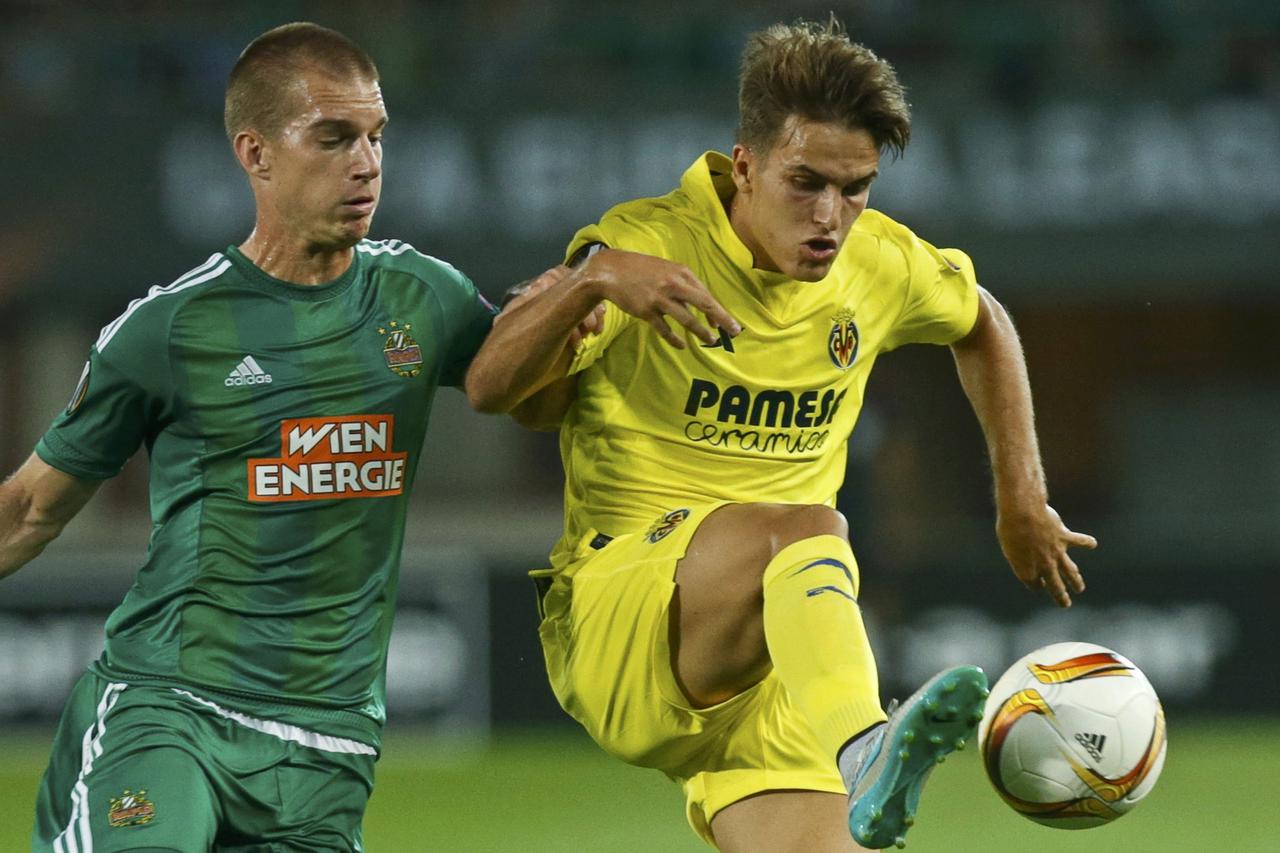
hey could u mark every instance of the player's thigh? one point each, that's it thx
(605, 637)
(155, 798)
(720, 571)
(323, 800)
(785, 822)
(119, 779)
(718, 608)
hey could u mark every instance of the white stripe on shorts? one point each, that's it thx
(284, 731)
(90, 748)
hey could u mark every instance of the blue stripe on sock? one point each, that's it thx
(819, 590)
(827, 562)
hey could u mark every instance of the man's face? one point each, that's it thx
(797, 201)
(326, 163)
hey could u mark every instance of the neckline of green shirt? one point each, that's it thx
(292, 290)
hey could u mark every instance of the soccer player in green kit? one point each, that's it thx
(282, 389)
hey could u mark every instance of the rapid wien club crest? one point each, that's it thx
(842, 343)
(130, 809)
(401, 351)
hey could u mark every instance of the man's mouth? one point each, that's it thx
(820, 248)
(362, 204)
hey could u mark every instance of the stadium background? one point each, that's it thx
(1113, 166)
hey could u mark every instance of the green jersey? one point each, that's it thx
(284, 424)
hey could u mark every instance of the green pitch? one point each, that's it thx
(555, 792)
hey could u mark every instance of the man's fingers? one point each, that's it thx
(702, 299)
(1082, 540)
(682, 315)
(593, 322)
(1071, 574)
(550, 278)
(659, 323)
(1056, 588)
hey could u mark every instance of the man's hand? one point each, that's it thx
(526, 349)
(653, 289)
(1035, 543)
(527, 290)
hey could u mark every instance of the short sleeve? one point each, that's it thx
(124, 398)
(468, 318)
(615, 231)
(942, 297)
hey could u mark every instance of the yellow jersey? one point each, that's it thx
(765, 416)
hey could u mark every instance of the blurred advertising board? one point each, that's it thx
(52, 615)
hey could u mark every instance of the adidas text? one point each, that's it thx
(264, 379)
(247, 372)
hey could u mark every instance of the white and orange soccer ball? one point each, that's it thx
(1073, 736)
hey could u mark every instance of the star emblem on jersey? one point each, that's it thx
(247, 372)
(130, 809)
(842, 343)
(401, 351)
(663, 526)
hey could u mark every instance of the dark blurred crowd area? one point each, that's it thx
(116, 57)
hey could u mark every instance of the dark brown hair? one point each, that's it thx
(814, 71)
(259, 93)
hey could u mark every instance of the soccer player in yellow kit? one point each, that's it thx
(700, 616)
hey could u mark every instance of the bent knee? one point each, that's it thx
(740, 535)
(803, 521)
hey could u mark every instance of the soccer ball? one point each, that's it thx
(1073, 736)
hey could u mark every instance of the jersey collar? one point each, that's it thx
(288, 289)
(709, 182)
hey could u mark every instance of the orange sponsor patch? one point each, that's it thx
(348, 456)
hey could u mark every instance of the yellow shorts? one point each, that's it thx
(605, 637)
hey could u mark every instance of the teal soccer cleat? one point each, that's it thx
(921, 733)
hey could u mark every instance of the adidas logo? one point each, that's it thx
(247, 372)
(1093, 744)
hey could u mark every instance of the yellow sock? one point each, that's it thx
(819, 646)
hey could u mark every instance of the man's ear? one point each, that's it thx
(253, 154)
(744, 170)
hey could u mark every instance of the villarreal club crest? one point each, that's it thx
(401, 351)
(663, 526)
(842, 343)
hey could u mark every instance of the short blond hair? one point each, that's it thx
(814, 71)
(259, 91)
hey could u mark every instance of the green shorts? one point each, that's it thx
(159, 768)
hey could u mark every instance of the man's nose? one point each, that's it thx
(368, 162)
(826, 209)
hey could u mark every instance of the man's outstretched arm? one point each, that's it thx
(1033, 538)
(35, 505)
(528, 347)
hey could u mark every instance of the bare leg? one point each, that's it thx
(784, 822)
(717, 626)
